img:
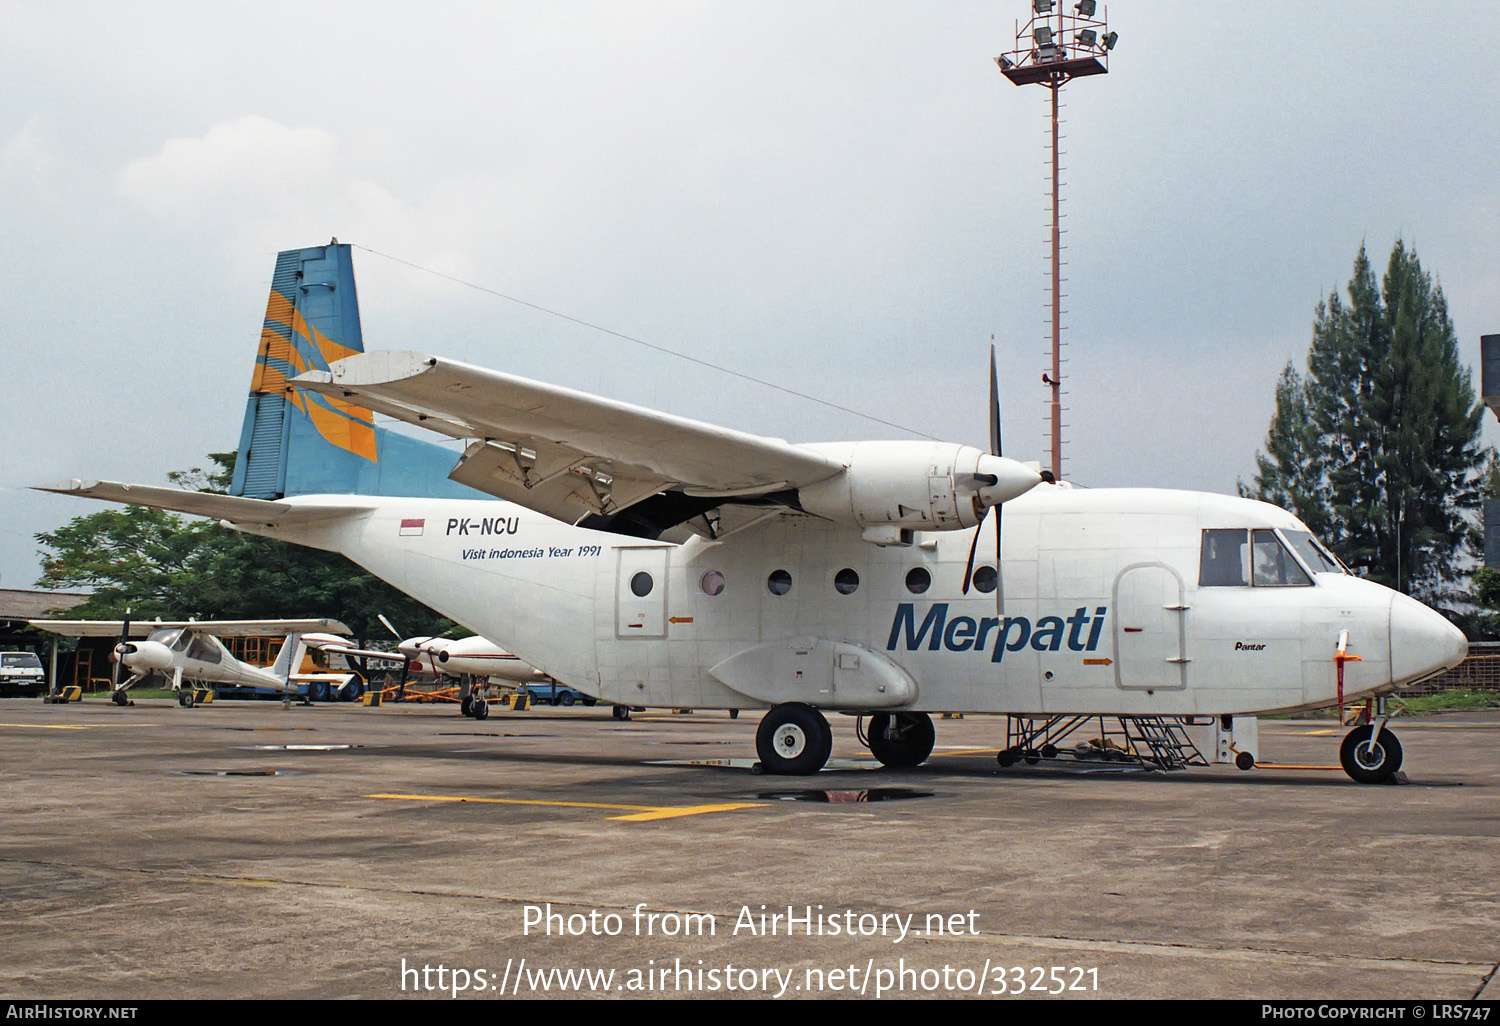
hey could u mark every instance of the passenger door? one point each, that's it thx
(1150, 640)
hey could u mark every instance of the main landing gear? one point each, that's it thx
(901, 740)
(794, 739)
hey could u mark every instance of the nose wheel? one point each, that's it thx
(1370, 756)
(793, 740)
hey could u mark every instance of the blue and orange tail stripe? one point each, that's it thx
(297, 442)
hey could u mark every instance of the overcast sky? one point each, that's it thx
(845, 198)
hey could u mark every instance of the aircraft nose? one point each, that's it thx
(145, 655)
(1011, 479)
(1423, 642)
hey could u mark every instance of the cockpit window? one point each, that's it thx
(172, 637)
(1225, 561)
(1314, 553)
(1274, 565)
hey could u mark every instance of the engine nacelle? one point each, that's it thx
(891, 487)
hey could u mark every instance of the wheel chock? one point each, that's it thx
(372, 698)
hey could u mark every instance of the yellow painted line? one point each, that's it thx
(635, 813)
(251, 883)
(1317, 733)
(1277, 765)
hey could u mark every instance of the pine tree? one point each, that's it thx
(1377, 447)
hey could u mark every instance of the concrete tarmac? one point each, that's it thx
(243, 850)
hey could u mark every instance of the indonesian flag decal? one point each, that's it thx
(411, 528)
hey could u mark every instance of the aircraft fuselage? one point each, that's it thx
(1106, 609)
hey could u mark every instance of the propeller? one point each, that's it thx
(995, 450)
(120, 651)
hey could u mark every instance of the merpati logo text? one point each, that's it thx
(1007, 633)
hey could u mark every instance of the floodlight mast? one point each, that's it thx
(1054, 47)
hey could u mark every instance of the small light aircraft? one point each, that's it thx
(190, 650)
(657, 561)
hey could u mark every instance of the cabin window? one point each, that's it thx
(641, 584)
(713, 583)
(780, 582)
(985, 578)
(1274, 565)
(846, 582)
(1225, 560)
(918, 580)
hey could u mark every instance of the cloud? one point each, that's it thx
(252, 164)
(28, 153)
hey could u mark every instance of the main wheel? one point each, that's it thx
(793, 740)
(1370, 762)
(622, 712)
(903, 740)
(466, 705)
(481, 709)
(119, 698)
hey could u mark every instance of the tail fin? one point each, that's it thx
(289, 659)
(297, 443)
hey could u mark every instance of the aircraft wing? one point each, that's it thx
(562, 452)
(232, 508)
(218, 628)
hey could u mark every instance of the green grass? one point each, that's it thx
(1442, 701)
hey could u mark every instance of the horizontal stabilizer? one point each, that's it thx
(232, 508)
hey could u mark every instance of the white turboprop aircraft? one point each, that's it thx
(190, 650)
(657, 561)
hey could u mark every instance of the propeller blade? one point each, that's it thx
(999, 572)
(120, 655)
(382, 619)
(994, 406)
(969, 567)
(995, 450)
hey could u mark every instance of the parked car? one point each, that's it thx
(553, 693)
(21, 673)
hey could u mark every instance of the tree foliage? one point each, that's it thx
(1376, 448)
(158, 564)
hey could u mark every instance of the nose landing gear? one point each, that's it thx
(1371, 754)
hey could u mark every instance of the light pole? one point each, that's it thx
(1054, 47)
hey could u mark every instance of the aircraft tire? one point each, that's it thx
(481, 709)
(912, 744)
(466, 705)
(119, 698)
(793, 740)
(1366, 763)
(622, 712)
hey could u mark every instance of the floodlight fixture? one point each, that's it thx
(1041, 6)
(1005, 62)
(1108, 42)
(1088, 37)
(1086, 7)
(1042, 36)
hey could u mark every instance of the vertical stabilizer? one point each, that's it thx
(289, 658)
(295, 442)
